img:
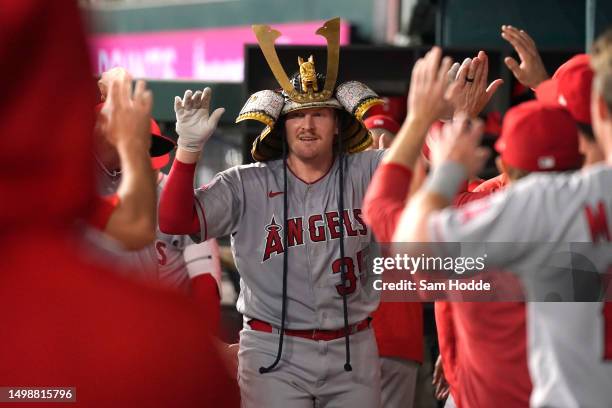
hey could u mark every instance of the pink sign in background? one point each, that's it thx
(206, 55)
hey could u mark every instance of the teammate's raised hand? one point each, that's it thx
(470, 93)
(428, 85)
(126, 115)
(108, 77)
(530, 72)
(194, 123)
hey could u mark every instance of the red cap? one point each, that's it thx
(159, 162)
(392, 106)
(160, 145)
(570, 87)
(382, 122)
(539, 137)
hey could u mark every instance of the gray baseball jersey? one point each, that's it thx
(570, 344)
(247, 202)
(180, 259)
(173, 259)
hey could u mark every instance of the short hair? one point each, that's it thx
(601, 62)
(515, 173)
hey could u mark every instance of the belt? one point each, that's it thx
(313, 334)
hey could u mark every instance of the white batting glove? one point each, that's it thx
(194, 125)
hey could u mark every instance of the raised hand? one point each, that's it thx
(428, 85)
(127, 120)
(447, 114)
(194, 124)
(126, 115)
(113, 74)
(470, 93)
(530, 72)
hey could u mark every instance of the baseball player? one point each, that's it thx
(131, 216)
(490, 337)
(569, 344)
(298, 236)
(497, 348)
(174, 261)
(570, 88)
(127, 216)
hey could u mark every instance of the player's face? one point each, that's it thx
(310, 133)
(105, 151)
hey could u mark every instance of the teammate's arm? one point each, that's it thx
(127, 122)
(194, 125)
(462, 158)
(390, 185)
(468, 196)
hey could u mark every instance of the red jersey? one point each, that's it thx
(398, 326)
(483, 345)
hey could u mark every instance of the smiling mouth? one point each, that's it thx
(308, 138)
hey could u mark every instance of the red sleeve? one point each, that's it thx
(103, 208)
(492, 185)
(462, 199)
(205, 291)
(386, 198)
(484, 189)
(474, 184)
(177, 214)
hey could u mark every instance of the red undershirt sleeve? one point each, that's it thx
(386, 198)
(465, 197)
(177, 213)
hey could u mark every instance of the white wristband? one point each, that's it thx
(446, 179)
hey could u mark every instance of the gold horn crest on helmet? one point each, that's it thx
(266, 38)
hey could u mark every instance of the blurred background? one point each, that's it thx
(187, 44)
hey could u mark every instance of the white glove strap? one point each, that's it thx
(189, 144)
